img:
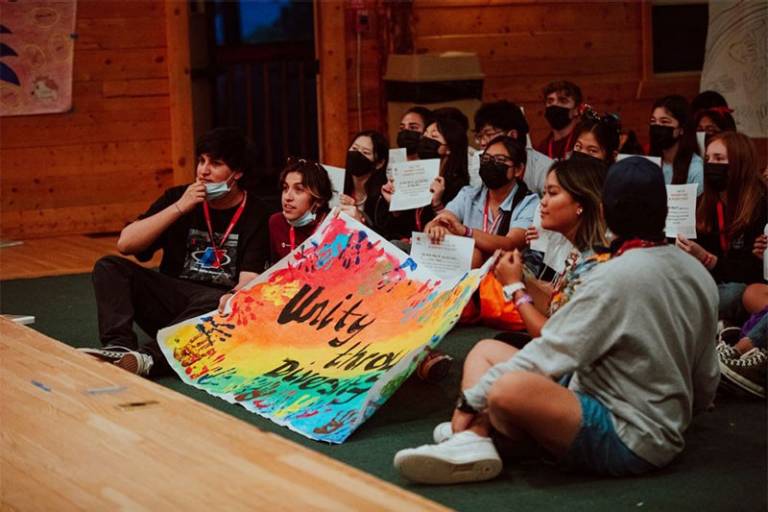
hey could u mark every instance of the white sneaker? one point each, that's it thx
(111, 353)
(136, 362)
(465, 457)
(443, 432)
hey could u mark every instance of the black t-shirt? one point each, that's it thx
(186, 245)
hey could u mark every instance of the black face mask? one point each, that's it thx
(408, 139)
(428, 148)
(662, 137)
(558, 117)
(494, 174)
(716, 176)
(579, 156)
(358, 164)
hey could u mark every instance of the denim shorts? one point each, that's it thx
(598, 448)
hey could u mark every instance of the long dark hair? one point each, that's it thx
(380, 154)
(677, 106)
(455, 169)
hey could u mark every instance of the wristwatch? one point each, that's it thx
(463, 405)
(510, 289)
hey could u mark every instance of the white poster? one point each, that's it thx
(336, 174)
(450, 259)
(412, 183)
(681, 215)
(736, 61)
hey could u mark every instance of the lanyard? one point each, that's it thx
(292, 232)
(637, 243)
(485, 218)
(721, 227)
(418, 219)
(226, 234)
(551, 142)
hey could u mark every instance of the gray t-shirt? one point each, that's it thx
(639, 336)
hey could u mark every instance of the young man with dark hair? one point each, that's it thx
(500, 118)
(562, 100)
(214, 238)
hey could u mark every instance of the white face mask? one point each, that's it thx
(216, 190)
(308, 218)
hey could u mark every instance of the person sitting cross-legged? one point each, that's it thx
(613, 381)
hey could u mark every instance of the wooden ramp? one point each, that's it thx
(80, 434)
(41, 257)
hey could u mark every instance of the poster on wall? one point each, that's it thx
(736, 61)
(322, 339)
(36, 56)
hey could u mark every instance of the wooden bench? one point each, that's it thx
(81, 434)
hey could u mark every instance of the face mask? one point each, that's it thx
(216, 190)
(308, 218)
(494, 174)
(558, 117)
(580, 156)
(409, 140)
(428, 148)
(358, 164)
(662, 137)
(716, 176)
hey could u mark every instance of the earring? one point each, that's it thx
(579, 211)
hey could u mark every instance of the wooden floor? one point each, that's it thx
(80, 434)
(42, 257)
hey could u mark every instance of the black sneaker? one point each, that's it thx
(747, 373)
(110, 354)
(435, 366)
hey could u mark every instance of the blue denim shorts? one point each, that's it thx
(598, 448)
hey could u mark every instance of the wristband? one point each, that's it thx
(525, 299)
(463, 405)
(510, 289)
(468, 231)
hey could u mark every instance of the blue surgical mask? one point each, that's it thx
(216, 190)
(308, 218)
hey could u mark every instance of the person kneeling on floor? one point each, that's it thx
(214, 238)
(635, 340)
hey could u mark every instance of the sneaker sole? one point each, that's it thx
(743, 383)
(129, 363)
(98, 354)
(427, 469)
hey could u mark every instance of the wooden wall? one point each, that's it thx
(95, 168)
(522, 45)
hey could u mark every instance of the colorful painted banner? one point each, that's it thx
(36, 56)
(323, 338)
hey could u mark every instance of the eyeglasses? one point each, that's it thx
(484, 136)
(497, 159)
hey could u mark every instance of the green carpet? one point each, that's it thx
(722, 468)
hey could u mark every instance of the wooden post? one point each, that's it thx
(330, 50)
(180, 87)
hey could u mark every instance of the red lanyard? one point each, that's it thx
(292, 232)
(485, 218)
(721, 227)
(226, 234)
(637, 243)
(551, 142)
(418, 219)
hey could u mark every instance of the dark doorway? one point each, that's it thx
(257, 71)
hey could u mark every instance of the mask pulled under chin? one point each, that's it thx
(216, 190)
(558, 117)
(306, 219)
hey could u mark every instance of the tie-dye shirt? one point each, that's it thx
(578, 265)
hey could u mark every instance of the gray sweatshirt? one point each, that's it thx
(639, 335)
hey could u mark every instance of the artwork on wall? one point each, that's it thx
(36, 56)
(323, 338)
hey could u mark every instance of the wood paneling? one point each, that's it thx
(93, 169)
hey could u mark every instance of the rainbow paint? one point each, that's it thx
(323, 338)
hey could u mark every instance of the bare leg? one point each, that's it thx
(484, 355)
(755, 297)
(528, 403)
